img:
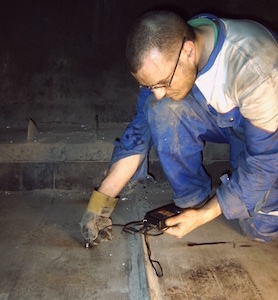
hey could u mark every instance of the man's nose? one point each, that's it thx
(159, 93)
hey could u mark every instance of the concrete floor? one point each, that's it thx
(45, 186)
(42, 254)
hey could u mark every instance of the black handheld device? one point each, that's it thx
(158, 215)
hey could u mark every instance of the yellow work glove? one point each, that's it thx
(96, 224)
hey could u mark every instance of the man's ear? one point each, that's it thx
(189, 48)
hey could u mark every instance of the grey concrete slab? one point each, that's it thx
(64, 143)
(60, 143)
(213, 262)
(237, 269)
(42, 254)
(69, 157)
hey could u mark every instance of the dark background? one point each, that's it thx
(62, 61)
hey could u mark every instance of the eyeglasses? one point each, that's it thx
(159, 86)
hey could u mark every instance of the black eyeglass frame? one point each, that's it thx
(158, 86)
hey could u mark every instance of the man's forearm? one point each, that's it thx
(119, 174)
(190, 219)
(210, 211)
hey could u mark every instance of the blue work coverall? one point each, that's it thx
(234, 100)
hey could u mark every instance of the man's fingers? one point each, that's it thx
(175, 231)
(182, 224)
(173, 220)
(174, 226)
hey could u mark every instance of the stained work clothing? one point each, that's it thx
(234, 100)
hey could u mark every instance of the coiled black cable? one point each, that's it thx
(147, 229)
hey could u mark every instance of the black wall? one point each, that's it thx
(63, 61)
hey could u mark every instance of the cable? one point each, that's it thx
(147, 229)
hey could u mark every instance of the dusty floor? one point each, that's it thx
(42, 254)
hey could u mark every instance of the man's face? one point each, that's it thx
(157, 72)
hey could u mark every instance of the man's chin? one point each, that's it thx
(182, 96)
(177, 97)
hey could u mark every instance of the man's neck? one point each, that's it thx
(204, 44)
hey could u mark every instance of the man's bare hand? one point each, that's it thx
(183, 223)
(190, 219)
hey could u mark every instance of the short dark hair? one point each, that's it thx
(156, 29)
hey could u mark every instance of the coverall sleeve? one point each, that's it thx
(257, 166)
(136, 138)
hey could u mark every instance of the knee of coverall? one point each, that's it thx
(271, 202)
(178, 144)
(260, 227)
(263, 223)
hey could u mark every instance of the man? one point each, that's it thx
(209, 79)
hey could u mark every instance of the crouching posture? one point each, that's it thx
(208, 79)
